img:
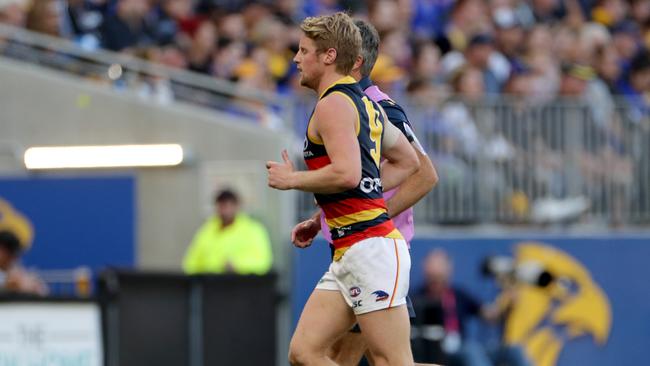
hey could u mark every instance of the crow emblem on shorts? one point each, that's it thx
(381, 295)
(355, 291)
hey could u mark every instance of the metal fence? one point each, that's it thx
(507, 161)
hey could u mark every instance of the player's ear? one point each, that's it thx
(330, 56)
(357, 63)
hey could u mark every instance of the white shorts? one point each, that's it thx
(372, 275)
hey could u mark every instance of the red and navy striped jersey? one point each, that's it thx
(358, 213)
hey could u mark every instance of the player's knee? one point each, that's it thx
(349, 350)
(392, 359)
(300, 353)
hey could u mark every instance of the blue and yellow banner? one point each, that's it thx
(592, 309)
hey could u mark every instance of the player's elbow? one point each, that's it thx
(412, 164)
(350, 181)
(346, 179)
(431, 175)
(434, 178)
(427, 174)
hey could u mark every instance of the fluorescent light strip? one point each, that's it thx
(109, 156)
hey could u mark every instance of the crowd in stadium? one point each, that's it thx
(440, 58)
(537, 49)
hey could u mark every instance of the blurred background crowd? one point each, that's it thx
(532, 110)
(536, 49)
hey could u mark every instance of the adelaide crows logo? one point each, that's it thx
(381, 295)
(572, 305)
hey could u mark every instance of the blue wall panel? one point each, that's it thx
(76, 221)
(618, 265)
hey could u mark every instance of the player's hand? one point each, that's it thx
(304, 233)
(281, 174)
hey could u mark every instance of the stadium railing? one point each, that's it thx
(156, 82)
(505, 160)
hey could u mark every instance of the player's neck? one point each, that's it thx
(327, 80)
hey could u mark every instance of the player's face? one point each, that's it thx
(308, 61)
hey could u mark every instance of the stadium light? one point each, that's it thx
(107, 156)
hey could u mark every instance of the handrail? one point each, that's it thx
(104, 57)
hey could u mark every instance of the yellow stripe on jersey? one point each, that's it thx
(338, 254)
(353, 218)
(395, 234)
(344, 80)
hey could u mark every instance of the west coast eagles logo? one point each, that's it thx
(572, 305)
(17, 223)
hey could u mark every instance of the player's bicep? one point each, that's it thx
(336, 120)
(410, 135)
(395, 146)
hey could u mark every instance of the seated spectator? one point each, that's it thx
(13, 12)
(14, 278)
(229, 242)
(126, 27)
(443, 313)
(635, 88)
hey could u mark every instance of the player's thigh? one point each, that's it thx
(348, 350)
(325, 317)
(388, 334)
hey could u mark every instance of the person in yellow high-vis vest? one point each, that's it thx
(229, 242)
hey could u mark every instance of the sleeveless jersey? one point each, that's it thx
(404, 221)
(358, 213)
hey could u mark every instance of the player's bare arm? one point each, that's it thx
(401, 159)
(334, 123)
(303, 233)
(416, 186)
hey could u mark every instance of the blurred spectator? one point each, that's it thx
(608, 66)
(202, 48)
(459, 124)
(600, 101)
(481, 55)
(126, 27)
(444, 311)
(426, 62)
(81, 21)
(385, 16)
(636, 87)
(173, 19)
(14, 12)
(510, 37)
(13, 278)
(44, 17)
(229, 242)
(467, 18)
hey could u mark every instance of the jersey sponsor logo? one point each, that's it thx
(381, 295)
(356, 304)
(368, 184)
(355, 291)
(340, 231)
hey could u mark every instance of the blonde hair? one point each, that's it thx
(336, 31)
